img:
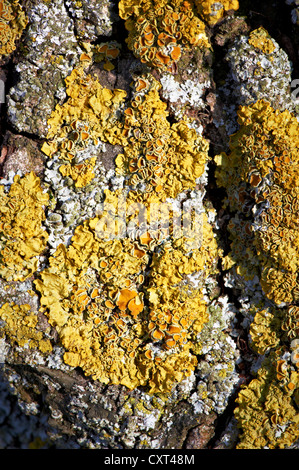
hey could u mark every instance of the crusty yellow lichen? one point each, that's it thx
(169, 322)
(213, 11)
(261, 175)
(88, 113)
(81, 173)
(22, 237)
(159, 31)
(263, 165)
(265, 330)
(267, 407)
(12, 23)
(86, 118)
(110, 323)
(261, 39)
(167, 158)
(103, 294)
(19, 325)
(266, 411)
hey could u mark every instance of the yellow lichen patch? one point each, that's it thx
(160, 31)
(268, 404)
(94, 294)
(261, 175)
(266, 412)
(178, 311)
(212, 11)
(290, 323)
(20, 326)
(261, 39)
(265, 330)
(82, 124)
(167, 158)
(84, 291)
(161, 158)
(87, 116)
(81, 173)
(12, 23)
(263, 165)
(22, 238)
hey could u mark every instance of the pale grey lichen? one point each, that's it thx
(216, 373)
(51, 53)
(72, 205)
(186, 95)
(294, 11)
(253, 75)
(92, 18)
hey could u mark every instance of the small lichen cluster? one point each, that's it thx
(162, 159)
(212, 11)
(260, 39)
(22, 236)
(19, 324)
(12, 23)
(159, 31)
(107, 51)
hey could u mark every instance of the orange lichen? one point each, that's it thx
(212, 11)
(107, 51)
(160, 31)
(261, 39)
(12, 23)
(22, 238)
